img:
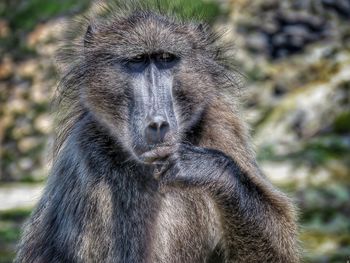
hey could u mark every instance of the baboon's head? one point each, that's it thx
(150, 78)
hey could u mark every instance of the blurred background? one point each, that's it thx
(295, 57)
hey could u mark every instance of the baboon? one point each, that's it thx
(153, 160)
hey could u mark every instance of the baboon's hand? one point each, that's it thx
(158, 155)
(189, 165)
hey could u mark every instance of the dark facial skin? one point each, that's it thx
(152, 113)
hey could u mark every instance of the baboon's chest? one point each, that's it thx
(186, 228)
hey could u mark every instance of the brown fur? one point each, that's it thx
(102, 204)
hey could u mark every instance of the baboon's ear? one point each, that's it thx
(88, 38)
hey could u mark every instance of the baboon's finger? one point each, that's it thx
(157, 155)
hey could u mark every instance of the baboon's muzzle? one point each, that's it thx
(154, 90)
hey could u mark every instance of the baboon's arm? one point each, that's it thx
(257, 220)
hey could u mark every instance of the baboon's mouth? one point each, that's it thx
(152, 149)
(144, 148)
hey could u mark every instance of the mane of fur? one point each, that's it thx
(73, 64)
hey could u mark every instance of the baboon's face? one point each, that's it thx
(148, 80)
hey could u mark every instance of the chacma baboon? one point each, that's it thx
(153, 161)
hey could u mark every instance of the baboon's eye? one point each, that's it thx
(138, 59)
(138, 62)
(165, 57)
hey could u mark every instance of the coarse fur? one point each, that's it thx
(107, 201)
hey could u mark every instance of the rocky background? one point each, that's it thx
(295, 59)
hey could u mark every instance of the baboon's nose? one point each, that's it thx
(156, 129)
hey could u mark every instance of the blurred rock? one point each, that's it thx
(28, 143)
(43, 123)
(4, 28)
(297, 61)
(288, 27)
(342, 7)
(19, 196)
(285, 174)
(26, 164)
(46, 32)
(18, 105)
(6, 67)
(27, 68)
(26, 87)
(23, 127)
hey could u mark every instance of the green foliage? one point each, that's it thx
(14, 214)
(314, 152)
(320, 150)
(10, 230)
(9, 234)
(342, 123)
(203, 10)
(26, 14)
